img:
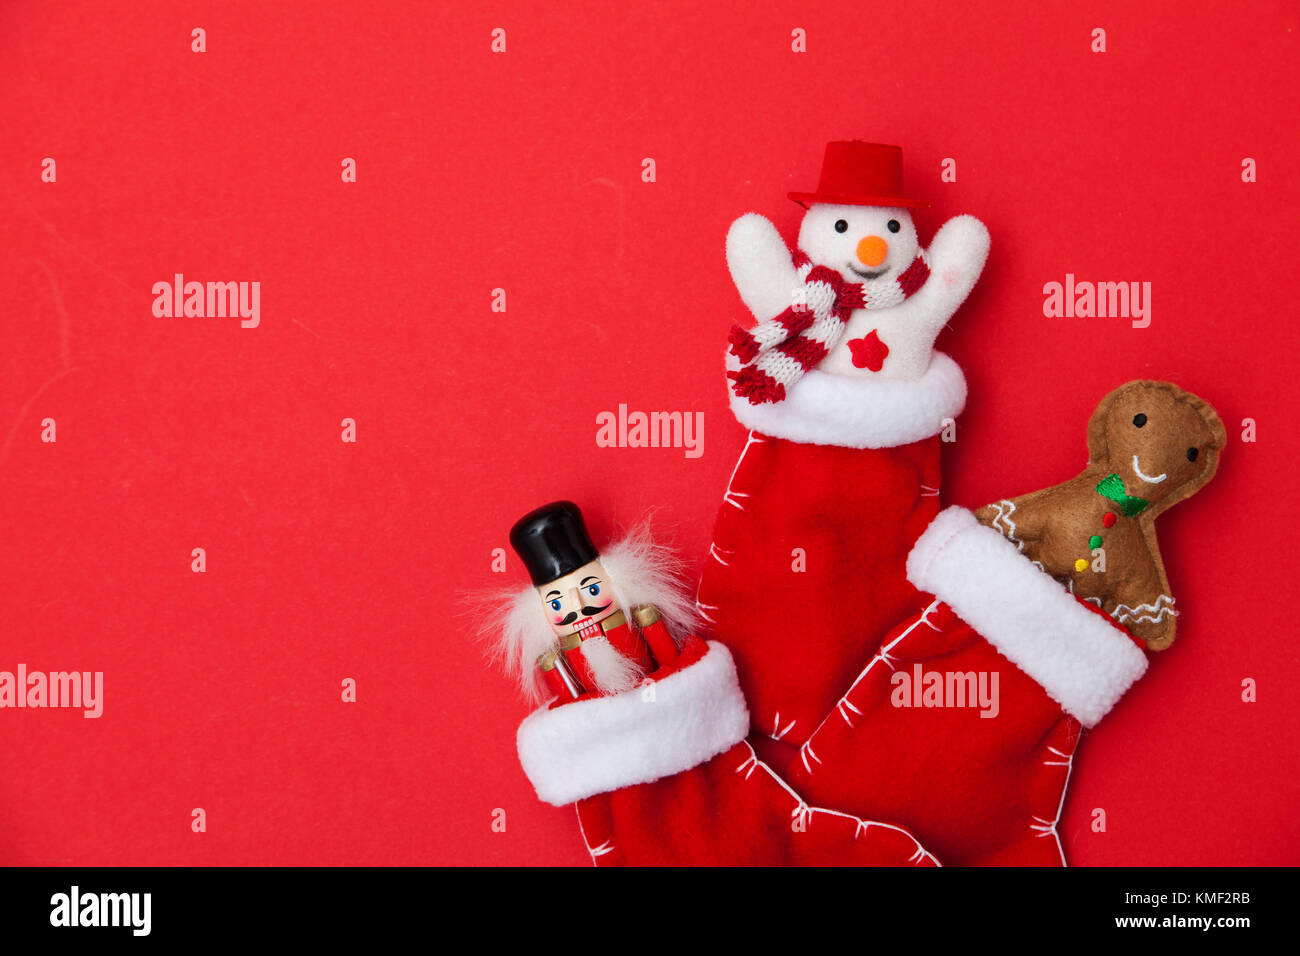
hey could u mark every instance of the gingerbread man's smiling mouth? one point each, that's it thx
(867, 275)
(1149, 479)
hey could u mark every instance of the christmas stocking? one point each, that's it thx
(662, 775)
(844, 395)
(963, 726)
(806, 570)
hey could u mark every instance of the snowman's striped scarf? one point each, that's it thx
(775, 354)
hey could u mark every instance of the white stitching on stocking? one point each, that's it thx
(603, 848)
(705, 615)
(805, 752)
(842, 705)
(1045, 828)
(1058, 763)
(730, 495)
(800, 805)
(881, 655)
(777, 733)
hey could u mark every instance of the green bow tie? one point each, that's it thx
(1112, 489)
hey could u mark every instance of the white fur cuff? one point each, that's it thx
(1082, 662)
(594, 746)
(827, 409)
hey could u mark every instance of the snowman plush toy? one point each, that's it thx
(845, 399)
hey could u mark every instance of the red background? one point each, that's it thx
(522, 171)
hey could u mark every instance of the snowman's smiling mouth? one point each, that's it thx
(867, 275)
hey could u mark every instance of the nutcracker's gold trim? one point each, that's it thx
(546, 660)
(645, 615)
(617, 619)
(569, 641)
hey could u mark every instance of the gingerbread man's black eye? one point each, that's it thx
(1192, 453)
(841, 225)
(893, 225)
(1139, 419)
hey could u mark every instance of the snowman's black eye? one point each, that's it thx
(1192, 453)
(1139, 419)
(841, 225)
(893, 225)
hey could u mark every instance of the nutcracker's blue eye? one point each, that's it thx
(594, 590)
(555, 605)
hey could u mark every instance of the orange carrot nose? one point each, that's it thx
(872, 251)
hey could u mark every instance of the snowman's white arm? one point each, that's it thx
(957, 256)
(760, 266)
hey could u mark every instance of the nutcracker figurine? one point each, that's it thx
(571, 632)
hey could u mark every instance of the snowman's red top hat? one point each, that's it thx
(861, 174)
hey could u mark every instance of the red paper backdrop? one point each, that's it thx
(522, 171)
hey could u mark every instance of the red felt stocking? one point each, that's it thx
(806, 570)
(662, 775)
(963, 728)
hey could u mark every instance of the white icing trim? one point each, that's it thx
(1002, 522)
(827, 409)
(606, 743)
(1164, 607)
(1083, 663)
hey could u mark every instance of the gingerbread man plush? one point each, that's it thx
(1150, 445)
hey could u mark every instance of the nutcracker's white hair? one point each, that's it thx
(643, 572)
(640, 571)
(524, 637)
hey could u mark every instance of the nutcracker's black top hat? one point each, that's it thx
(552, 541)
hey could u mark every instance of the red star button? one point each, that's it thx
(869, 352)
(1108, 519)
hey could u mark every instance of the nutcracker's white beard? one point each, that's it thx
(614, 673)
(640, 571)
